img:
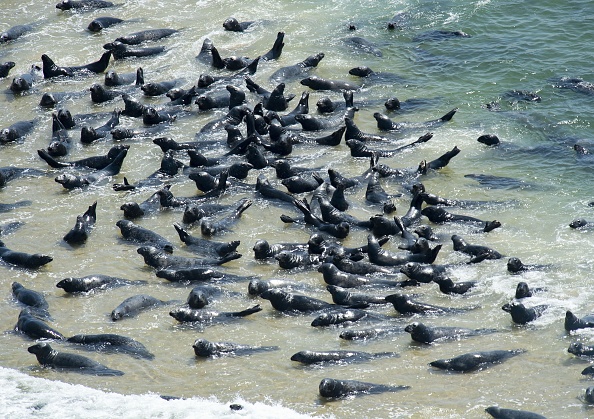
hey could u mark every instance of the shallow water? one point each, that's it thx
(510, 48)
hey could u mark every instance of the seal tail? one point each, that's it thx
(50, 160)
(248, 311)
(217, 61)
(448, 116)
(139, 76)
(228, 257)
(183, 234)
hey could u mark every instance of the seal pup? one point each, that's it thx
(338, 357)
(92, 282)
(335, 389)
(205, 349)
(475, 360)
(426, 334)
(83, 227)
(133, 305)
(501, 413)
(49, 357)
(111, 343)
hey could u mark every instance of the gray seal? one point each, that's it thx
(335, 389)
(49, 357)
(133, 305)
(501, 413)
(338, 357)
(475, 360)
(92, 282)
(84, 224)
(425, 334)
(111, 343)
(204, 349)
(35, 328)
(22, 259)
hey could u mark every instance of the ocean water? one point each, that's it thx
(511, 47)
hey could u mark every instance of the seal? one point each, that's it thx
(439, 215)
(49, 357)
(158, 259)
(589, 395)
(70, 181)
(296, 259)
(83, 5)
(373, 333)
(121, 79)
(285, 301)
(515, 265)
(201, 295)
(197, 273)
(302, 183)
(33, 299)
(83, 227)
(404, 305)
(101, 95)
(477, 251)
(103, 22)
(423, 273)
(447, 286)
(475, 360)
(500, 413)
(204, 317)
(133, 305)
(233, 25)
(360, 44)
(90, 134)
(5, 68)
(214, 227)
(34, 327)
(572, 322)
(335, 389)
(121, 51)
(257, 286)
(521, 314)
(425, 334)
(579, 349)
(206, 349)
(296, 71)
(16, 131)
(22, 259)
(140, 235)
(338, 357)
(264, 250)
(111, 343)
(51, 69)
(318, 83)
(342, 316)
(205, 247)
(382, 257)
(61, 143)
(146, 35)
(523, 291)
(92, 282)
(334, 276)
(26, 81)
(15, 32)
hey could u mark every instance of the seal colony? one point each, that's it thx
(258, 131)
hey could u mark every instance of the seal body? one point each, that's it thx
(133, 305)
(49, 357)
(84, 224)
(475, 360)
(91, 282)
(332, 388)
(34, 327)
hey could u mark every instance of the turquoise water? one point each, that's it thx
(528, 47)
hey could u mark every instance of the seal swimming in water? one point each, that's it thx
(521, 314)
(51, 69)
(283, 300)
(49, 357)
(501, 413)
(84, 224)
(70, 181)
(203, 317)
(33, 299)
(97, 281)
(111, 343)
(572, 322)
(338, 357)
(22, 259)
(204, 348)
(425, 334)
(335, 389)
(404, 305)
(475, 360)
(143, 236)
(34, 327)
(132, 305)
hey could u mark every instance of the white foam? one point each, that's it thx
(23, 396)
